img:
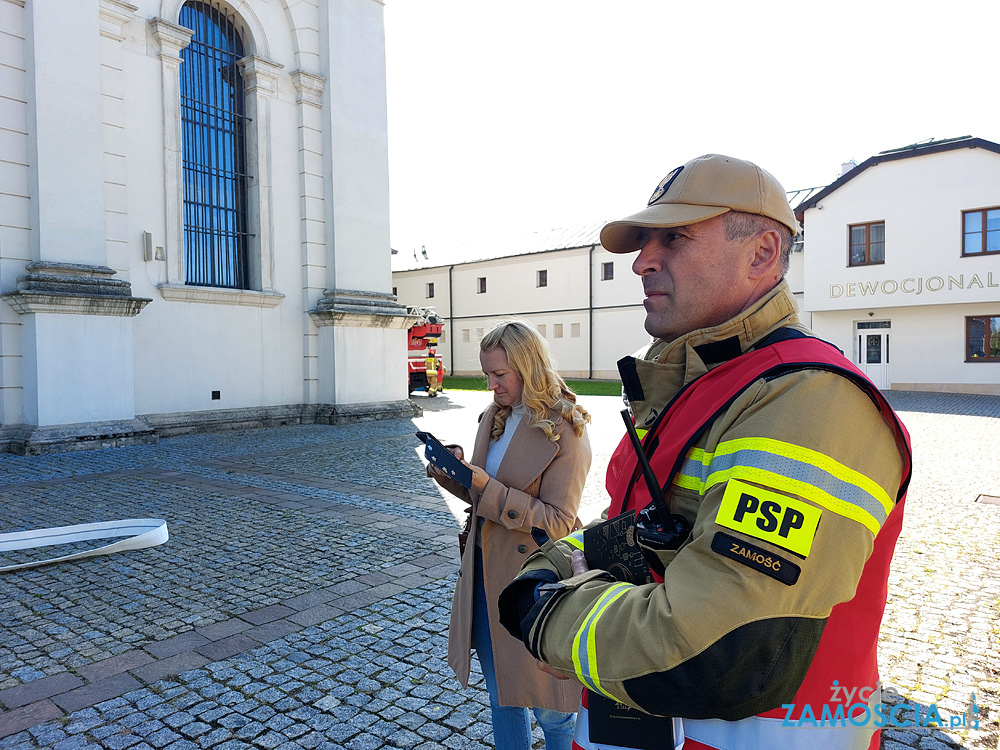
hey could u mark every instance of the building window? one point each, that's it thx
(429, 292)
(394, 292)
(982, 337)
(867, 244)
(481, 285)
(557, 330)
(465, 335)
(541, 330)
(574, 331)
(607, 271)
(479, 334)
(981, 231)
(542, 278)
(213, 137)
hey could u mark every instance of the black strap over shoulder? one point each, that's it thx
(782, 334)
(786, 334)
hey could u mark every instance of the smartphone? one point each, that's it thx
(442, 458)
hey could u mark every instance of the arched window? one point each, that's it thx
(213, 138)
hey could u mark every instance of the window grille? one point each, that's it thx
(213, 123)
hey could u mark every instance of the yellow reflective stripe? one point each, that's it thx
(790, 468)
(796, 487)
(584, 651)
(574, 540)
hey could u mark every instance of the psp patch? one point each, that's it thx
(781, 520)
(754, 557)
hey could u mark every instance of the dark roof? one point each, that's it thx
(905, 152)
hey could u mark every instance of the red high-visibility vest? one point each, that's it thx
(847, 649)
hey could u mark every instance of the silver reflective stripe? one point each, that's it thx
(788, 467)
(581, 736)
(758, 733)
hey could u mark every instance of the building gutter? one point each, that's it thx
(590, 316)
(451, 322)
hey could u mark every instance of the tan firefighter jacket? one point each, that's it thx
(719, 638)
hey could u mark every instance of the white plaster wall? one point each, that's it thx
(15, 232)
(926, 345)
(186, 350)
(93, 197)
(617, 333)
(511, 289)
(371, 357)
(352, 47)
(77, 370)
(411, 288)
(65, 132)
(624, 289)
(921, 200)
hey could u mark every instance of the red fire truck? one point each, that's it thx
(423, 336)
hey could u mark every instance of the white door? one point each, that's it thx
(873, 351)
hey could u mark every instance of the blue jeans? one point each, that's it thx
(511, 724)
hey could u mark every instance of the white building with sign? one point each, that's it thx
(194, 219)
(899, 267)
(585, 301)
(902, 266)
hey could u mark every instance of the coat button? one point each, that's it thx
(522, 548)
(511, 514)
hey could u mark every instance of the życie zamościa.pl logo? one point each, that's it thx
(851, 706)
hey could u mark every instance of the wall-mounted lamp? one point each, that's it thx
(148, 252)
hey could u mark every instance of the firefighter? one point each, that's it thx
(769, 503)
(432, 370)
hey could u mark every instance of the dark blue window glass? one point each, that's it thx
(213, 125)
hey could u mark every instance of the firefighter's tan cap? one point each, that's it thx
(705, 187)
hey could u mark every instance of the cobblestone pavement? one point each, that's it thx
(302, 600)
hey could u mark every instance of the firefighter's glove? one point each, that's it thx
(527, 601)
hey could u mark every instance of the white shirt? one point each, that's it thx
(496, 453)
(499, 447)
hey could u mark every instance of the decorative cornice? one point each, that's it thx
(75, 289)
(115, 18)
(75, 304)
(220, 296)
(260, 75)
(308, 88)
(171, 38)
(354, 309)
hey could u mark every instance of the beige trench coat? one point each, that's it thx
(539, 483)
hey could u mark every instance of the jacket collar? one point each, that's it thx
(527, 455)
(654, 375)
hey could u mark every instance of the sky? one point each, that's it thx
(528, 115)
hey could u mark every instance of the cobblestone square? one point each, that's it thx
(302, 600)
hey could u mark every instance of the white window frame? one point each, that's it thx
(260, 77)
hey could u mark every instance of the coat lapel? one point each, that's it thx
(526, 457)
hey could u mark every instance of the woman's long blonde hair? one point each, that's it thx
(546, 397)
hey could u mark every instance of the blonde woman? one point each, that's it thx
(529, 464)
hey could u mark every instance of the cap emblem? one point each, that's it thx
(664, 186)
